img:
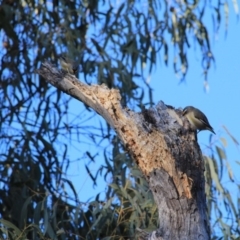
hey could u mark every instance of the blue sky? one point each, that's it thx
(220, 103)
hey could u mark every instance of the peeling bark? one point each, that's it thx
(167, 153)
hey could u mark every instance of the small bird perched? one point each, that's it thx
(69, 65)
(197, 119)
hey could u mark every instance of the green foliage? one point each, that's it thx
(221, 188)
(116, 45)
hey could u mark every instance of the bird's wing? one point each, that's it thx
(202, 118)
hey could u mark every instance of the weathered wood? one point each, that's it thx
(167, 154)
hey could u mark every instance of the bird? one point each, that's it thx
(68, 65)
(197, 119)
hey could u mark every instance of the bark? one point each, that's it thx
(166, 151)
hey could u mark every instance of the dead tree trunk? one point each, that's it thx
(165, 151)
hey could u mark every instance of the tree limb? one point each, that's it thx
(167, 154)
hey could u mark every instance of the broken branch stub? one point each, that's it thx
(167, 154)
